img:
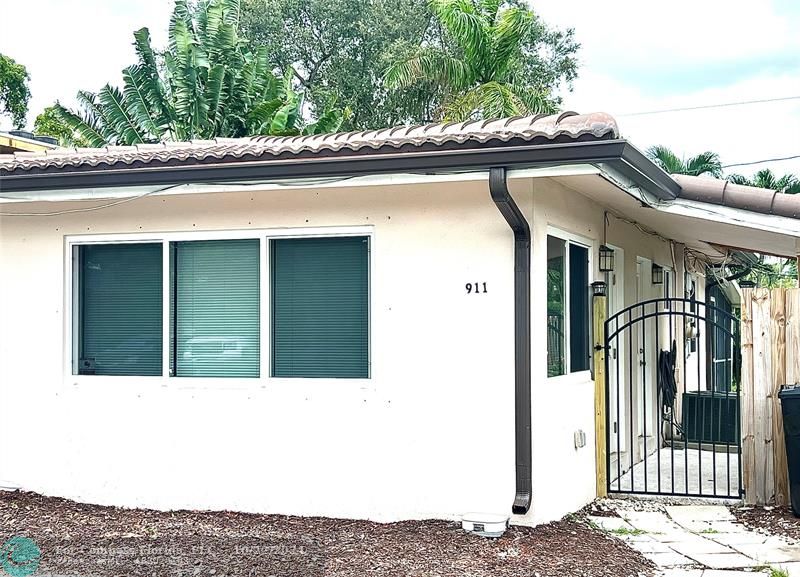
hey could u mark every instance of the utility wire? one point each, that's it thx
(707, 106)
(91, 208)
(761, 161)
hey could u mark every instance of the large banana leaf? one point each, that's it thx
(138, 104)
(205, 85)
(119, 117)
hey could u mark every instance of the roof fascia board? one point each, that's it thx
(394, 179)
(642, 171)
(479, 158)
(735, 216)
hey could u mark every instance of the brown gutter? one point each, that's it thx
(498, 189)
(724, 193)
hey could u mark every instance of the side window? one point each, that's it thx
(568, 321)
(118, 309)
(320, 310)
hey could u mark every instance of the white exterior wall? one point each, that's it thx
(430, 434)
(564, 477)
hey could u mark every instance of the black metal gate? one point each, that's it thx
(672, 399)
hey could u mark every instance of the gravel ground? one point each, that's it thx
(89, 540)
(774, 520)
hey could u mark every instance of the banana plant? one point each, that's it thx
(206, 84)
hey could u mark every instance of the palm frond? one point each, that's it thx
(489, 8)
(793, 188)
(430, 66)
(514, 25)
(82, 126)
(488, 100)
(534, 101)
(666, 159)
(704, 163)
(96, 116)
(739, 179)
(466, 27)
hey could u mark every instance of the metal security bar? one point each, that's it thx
(673, 416)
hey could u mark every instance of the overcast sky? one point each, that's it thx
(636, 57)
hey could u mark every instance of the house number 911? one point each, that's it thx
(477, 288)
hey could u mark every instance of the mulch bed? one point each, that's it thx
(774, 520)
(90, 540)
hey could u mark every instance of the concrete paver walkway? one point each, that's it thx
(701, 541)
(711, 474)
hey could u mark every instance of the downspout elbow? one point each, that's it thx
(498, 188)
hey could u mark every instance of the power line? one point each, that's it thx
(706, 106)
(91, 208)
(761, 161)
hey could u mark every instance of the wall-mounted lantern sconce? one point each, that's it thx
(599, 288)
(606, 259)
(657, 274)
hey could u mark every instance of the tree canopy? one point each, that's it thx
(49, 123)
(341, 51)
(14, 91)
(489, 62)
(207, 84)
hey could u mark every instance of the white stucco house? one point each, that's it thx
(356, 325)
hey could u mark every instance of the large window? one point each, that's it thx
(316, 307)
(320, 324)
(568, 349)
(119, 329)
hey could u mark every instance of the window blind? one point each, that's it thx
(120, 309)
(215, 308)
(320, 310)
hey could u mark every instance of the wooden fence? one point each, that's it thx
(770, 358)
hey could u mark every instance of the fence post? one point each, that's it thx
(599, 304)
(762, 389)
(746, 400)
(779, 463)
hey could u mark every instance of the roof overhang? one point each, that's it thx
(713, 230)
(616, 153)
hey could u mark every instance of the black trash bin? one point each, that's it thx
(790, 405)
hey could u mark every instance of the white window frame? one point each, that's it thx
(589, 244)
(71, 307)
